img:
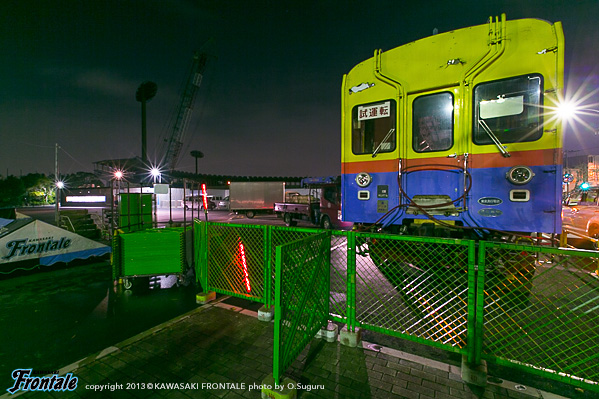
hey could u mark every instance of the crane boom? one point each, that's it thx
(175, 141)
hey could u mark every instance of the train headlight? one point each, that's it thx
(363, 179)
(519, 175)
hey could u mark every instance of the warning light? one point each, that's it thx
(205, 197)
(244, 266)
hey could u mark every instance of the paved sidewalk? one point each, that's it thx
(220, 351)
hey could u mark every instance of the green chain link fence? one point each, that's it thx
(538, 309)
(301, 297)
(529, 307)
(233, 259)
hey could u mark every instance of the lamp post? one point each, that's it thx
(145, 92)
(57, 190)
(197, 154)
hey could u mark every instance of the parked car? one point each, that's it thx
(580, 212)
(211, 205)
(199, 201)
(223, 204)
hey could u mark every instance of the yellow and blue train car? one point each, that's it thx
(456, 132)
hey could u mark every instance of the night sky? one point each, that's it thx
(269, 104)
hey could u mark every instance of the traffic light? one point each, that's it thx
(568, 177)
(585, 186)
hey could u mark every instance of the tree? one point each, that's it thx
(12, 192)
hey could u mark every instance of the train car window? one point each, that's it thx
(373, 128)
(508, 110)
(432, 123)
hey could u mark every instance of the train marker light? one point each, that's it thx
(363, 179)
(519, 175)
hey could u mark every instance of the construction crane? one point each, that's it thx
(175, 141)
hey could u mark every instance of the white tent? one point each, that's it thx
(36, 242)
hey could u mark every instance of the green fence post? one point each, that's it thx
(204, 256)
(471, 339)
(479, 305)
(277, 333)
(268, 294)
(351, 281)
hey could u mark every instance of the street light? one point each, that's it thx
(145, 92)
(155, 172)
(197, 154)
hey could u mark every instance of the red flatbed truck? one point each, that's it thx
(322, 206)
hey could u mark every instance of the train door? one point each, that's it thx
(433, 166)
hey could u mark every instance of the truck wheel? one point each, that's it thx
(593, 232)
(289, 220)
(250, 214)
(326, 223)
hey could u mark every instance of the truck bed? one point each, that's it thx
(293, 208)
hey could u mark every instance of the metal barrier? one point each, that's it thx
(538, 309)
(301, 297)
(148, 253)
(529, 307)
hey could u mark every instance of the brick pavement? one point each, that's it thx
(220, 344)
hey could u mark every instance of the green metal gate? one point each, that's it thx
(301, 297)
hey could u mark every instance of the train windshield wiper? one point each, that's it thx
(494, 138)
(381, 143)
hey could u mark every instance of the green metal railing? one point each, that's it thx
(301, 297)
(528, 307)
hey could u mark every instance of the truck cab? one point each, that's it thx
(330, 208)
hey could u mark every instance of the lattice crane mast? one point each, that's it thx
(175, 141)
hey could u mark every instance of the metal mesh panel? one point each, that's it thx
(235, 260)
(282, 236)
(541, 308)
(338, 290)
(413, 287)
(302, 296)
